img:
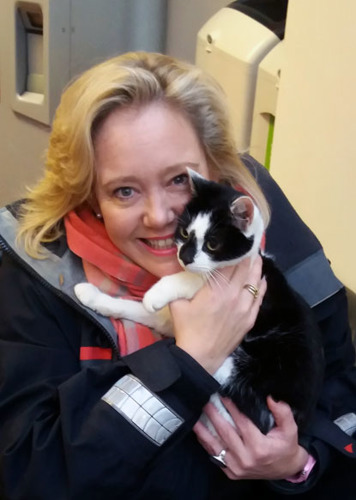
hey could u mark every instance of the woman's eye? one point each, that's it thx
(180, 179)
(124, 192)
(184, 233)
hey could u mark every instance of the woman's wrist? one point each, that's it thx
(206, 358)
(303, 472)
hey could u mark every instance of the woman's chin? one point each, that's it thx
(164, 268)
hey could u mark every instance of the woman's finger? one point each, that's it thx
(227, 433)
(211, 444)
(283, 417)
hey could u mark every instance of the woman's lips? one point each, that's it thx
(160, 246)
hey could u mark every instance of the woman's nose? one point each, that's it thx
(158, 212)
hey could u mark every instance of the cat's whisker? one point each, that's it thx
(218, 278)
(211, 278)
(211, 275)
(217, 272)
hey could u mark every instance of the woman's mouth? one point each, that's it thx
(160, 246)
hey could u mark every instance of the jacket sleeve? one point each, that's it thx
(333, 448)
(59, 438)
(300, 256)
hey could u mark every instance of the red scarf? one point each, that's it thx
(108, 269)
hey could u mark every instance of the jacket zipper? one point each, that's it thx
(5, 247)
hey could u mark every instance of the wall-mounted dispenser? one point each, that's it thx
(265, 105)
(235, 46)
(36, 51)
(44, 44)
(29, 51)
(51, 41)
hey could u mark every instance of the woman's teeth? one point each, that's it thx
(160, 244)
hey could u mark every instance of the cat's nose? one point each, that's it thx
(186, 254)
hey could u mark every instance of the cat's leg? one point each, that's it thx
(226, 371)
(255, 407)
(90, 296)
(222, 375)
(183, 285)
(247, 400)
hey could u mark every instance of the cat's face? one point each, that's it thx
(218, 227)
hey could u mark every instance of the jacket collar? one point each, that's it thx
(60, 271)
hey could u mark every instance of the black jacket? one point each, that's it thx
(60, 440)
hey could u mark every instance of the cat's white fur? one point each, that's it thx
(153, 311)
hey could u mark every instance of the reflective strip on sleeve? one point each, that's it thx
(143, 409)
(314, 279)
(347, 423)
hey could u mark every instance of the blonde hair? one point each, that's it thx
(136, 78)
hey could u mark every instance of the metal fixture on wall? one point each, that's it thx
(43, 45)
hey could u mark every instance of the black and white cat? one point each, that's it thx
(282, 355)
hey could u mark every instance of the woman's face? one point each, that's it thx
(141, 157)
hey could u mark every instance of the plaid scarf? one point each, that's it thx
(113, 273)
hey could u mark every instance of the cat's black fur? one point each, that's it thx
(282, 355)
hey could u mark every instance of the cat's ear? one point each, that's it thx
(242, 209)
(195, 180)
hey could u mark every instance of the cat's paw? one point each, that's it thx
(87, 294)
(154, 300)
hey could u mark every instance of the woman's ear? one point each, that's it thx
(94, 205)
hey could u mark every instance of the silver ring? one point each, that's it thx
(219, 459)
(252, 289)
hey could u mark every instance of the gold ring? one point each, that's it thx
(252, 289)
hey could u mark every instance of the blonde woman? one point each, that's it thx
(93, 407)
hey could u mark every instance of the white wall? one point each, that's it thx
(314, 150)
(185, 18)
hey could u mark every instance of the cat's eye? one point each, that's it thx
(184, 233)
(212, 246)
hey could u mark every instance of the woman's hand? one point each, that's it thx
(249, 453)
(211, 325)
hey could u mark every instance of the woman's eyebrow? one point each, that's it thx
(127, 179)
